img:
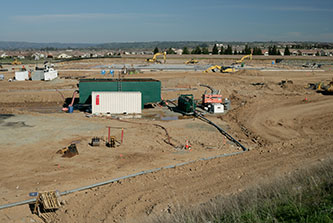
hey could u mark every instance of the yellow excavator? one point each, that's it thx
(16, 62)
(222, 69)
(192, 61)
(321, 87)
(325, 88)
(154, 59)
(243, 58)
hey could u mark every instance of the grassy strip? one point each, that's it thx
(306, 196)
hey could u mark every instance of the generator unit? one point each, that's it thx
(186, 104)
(211, 99)
(212, 102)
(216, 108)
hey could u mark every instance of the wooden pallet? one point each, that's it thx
(46, 205)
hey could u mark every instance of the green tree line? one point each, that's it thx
(228, 50)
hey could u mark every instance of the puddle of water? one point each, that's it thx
(5, 116)
(168, 118)
(161, 117)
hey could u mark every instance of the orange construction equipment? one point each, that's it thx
(211, 98)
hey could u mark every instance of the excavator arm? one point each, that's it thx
(221, 69)
(213, 68)
(154, 59)
(244, 57)
(192, 61)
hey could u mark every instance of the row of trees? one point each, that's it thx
(272, 50)
(223, 51)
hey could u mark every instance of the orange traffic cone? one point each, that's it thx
(187, 145)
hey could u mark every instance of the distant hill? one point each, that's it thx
(9, 45)
(151, 45)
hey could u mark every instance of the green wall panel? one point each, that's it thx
(149, 88)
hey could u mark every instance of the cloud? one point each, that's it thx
(299, 9)
(81, 16)
(273, 8)
(297, 36)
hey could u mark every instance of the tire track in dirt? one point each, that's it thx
(191, 184)
(145, 196)
(156, 193)
(281, 120)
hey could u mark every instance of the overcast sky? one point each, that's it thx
(100, 21)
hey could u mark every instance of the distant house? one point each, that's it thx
(178, 51)
(64, 56)
(20, 57)
(296, 53)
(265, 52)
(86, 55)
(37, 56)
(308, 52)
(4, 55)
(324, 53)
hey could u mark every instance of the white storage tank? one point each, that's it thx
(37, 75)
(21, 75)
(50, 75)
(114, 102)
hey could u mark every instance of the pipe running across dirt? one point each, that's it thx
(196, 114)
(30, 201)
(223, 132)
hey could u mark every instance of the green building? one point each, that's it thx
(149, 88)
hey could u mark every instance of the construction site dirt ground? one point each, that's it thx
(285, 128)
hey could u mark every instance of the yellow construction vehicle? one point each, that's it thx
(321, 87)
(192, 61)
(16, 62)
(325, 88)
(222, 69)
(243, 58)
(154, 59)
